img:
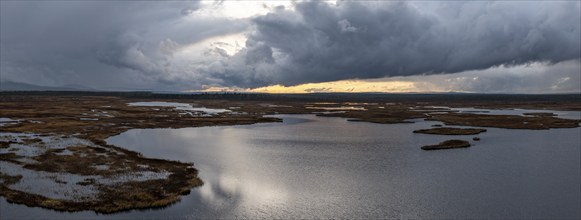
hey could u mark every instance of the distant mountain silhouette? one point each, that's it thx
(18, 86)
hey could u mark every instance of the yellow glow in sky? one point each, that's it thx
(342, 86)
(338, 86)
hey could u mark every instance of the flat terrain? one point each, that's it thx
(59, 137)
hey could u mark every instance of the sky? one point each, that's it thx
(294, 46)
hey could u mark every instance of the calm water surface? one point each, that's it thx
(319, 167)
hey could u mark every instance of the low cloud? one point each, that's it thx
(532, 78)
(563, 77)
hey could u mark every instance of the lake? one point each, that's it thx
(322, 167)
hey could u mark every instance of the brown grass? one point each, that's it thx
(451, 131)
(449, 144)
(505, 121)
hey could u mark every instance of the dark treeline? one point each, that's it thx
(318, 97)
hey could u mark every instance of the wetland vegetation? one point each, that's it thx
(61, 137)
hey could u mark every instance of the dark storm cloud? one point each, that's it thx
(321, 42)
(102, 44)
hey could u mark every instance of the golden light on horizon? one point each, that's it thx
(342, 86)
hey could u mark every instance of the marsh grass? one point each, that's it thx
(132, 191)
(8, 179)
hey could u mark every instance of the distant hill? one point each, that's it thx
(17, 86)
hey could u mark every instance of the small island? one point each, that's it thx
(451, 131)
(449, 144)
(540, 114)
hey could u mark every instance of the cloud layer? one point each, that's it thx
(319, 42)
(148, 45)
(103, 44)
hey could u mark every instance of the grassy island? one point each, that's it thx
(451, 131)
(449, 144)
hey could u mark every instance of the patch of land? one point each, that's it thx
(451, 131)
(72, 174)
(96, 117)
(392, 115)
(449, 144)
(541, 114)
(504, 121)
